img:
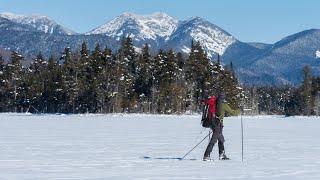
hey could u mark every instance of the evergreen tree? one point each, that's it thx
(126, 61)
(84, 79)
(292, 104)
(3, 86)
(230, 85)
(105, 81)
(15, 73)
(199, 75)
(306, 89)
(36, 83)
(181, 87)
(158, 73)
(70, 75)
(168, 82)
(143, 82)
(54, 94)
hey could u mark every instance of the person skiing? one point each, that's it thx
(217, 126)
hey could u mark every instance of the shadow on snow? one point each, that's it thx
(166, 158)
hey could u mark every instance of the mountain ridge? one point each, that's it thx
(39, 22)
(255, 63)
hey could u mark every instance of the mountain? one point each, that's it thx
(259, 45)
(40, 23)
(254, 63)
(162, 31)
(10, 26)
(213, 39)
(286, 58)
(142, 27)
(154, 29)
(22, 37)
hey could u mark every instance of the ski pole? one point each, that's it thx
(196, 145)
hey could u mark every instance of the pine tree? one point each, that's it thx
(70, 75)
(199, 75)
(126, 61)
(105, 81)
(15, 73)
(84, 79)
(176, 93)
(158, 74)
(231, 87)
(167, 82)
(54, 94)
(143, 82)
(316, 95)
(36, 83)
(306, 91)
(181, 86)
(3, 85)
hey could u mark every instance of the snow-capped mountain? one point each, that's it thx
(10, 26)
(212, 38)
(163, 31)
(255, 63)
(38, 22)
(139, 27)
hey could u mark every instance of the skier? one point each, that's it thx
(222, 109)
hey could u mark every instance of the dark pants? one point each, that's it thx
(216, 136)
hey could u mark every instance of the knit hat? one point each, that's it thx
(222, 95)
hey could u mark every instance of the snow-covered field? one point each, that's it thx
(102, 147)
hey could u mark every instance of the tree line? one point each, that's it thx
(131, 81)
(286, 100)
(125, 81)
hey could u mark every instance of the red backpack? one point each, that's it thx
(209, 112)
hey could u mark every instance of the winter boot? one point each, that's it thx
(223, 156)
(207, 158)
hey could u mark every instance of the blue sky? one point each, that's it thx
(248, 20)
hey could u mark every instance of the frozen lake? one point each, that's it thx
(113, 146)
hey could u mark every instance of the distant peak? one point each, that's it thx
(152, 15)
(161, 14)
(196, 18)
(129, 14)
(39, 22)
(9, 15)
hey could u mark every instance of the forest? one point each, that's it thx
(134, 81)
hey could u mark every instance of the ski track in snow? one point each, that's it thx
(114, 147)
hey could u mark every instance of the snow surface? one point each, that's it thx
(113, 146)
(317, 54)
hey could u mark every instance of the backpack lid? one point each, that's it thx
(211, 101)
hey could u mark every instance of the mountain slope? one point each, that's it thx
(254, 63)
(10, 26)
(139, 26)
(212, 38)
(285, 60)
(162, 31)
(40, 23)
(259, 45)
